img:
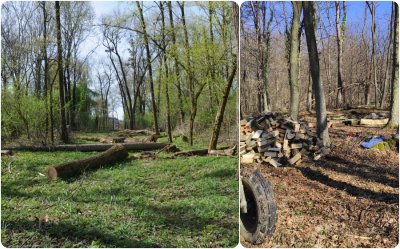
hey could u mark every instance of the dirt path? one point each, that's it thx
(347, 199)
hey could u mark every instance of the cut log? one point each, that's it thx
(112, 155)
(373, 122)
(88, 147)
(295, 158)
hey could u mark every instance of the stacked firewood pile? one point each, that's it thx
(271, 138)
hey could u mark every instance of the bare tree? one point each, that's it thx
(294, 61)
(340, 35)
(318, 87)
(64, 133)
(148, 57)
(394, 104)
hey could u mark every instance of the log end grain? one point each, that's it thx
(51, 173)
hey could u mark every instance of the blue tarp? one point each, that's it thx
(371, 142)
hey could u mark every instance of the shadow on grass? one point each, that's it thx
(66, 231)
(350, 189)
(222, 173)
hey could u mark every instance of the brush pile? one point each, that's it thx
(271, 138)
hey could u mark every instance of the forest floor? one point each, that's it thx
(181, 202)
(349, 198)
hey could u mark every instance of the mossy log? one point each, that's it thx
(112, 155)
(88, 147)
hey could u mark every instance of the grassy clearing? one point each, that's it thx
(183, 202)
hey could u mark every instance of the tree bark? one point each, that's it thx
(169, 127)
(148, 57)
(64, 134)
(110, 156)
(221, 109)
(394, 105)
(294, 62)
(318, 87)
(340, 35)
(176, 66)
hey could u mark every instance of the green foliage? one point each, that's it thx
(184, 202)
(382, 146)
(25, 116)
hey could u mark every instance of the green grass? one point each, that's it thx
(183, 202)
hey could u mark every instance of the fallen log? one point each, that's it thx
(373, 122)
(130, 133)
(169, 148)
(95, 139)
(88, 147)
(112, 155)
(202, 152)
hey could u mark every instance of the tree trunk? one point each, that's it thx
(64, 134)
(169, 128)
(221, 109)
(388, 63)
(394, 105)
(178, 83)
(148, 57)
(46, 67)
(340, 31)
(309, 93)
(112, 155)
(193, 109)
(294, 62)
(318, 87)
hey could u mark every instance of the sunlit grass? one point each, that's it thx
(183, 202)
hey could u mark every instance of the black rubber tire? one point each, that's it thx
(258, 224)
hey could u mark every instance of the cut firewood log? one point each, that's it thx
(112, 155)
(88, 147)
(295, 158)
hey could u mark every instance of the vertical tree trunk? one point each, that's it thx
(46, 66)
(394, 105)
(340, 31)
(148, 57)
(176, 66)
(318, 87)
(169, 128)
(309, 93)
(388, 61)
(294, 62)
(193, 98)
(64, 134)
(267, 49)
